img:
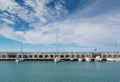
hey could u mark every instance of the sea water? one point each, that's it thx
(66, 71)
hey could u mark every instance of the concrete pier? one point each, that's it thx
(50, 56)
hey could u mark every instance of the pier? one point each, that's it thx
(50, 56)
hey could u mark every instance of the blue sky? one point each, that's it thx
(82, 25)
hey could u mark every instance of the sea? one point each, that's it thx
(65, 71)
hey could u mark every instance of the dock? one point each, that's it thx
(50, 56)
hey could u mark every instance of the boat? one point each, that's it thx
(17, 60)
(57, 59)
(20, 59)
(110, 59)
(71, 59)
(80, 59)
(117, 59)
(98, 58)
(87, 59)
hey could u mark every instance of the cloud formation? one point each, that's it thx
(84, 28)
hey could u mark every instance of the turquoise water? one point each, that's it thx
(46, 71)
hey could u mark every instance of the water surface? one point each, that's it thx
(48, 71)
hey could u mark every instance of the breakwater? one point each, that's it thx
(50, 56)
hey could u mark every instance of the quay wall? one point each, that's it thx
(51, 56)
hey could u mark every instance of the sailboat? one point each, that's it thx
(87, 59)
(57, 59)
(110, 59)
(71, 59)
(80, 59)
(20, 59)
(98, 58)
(116, 59)
(17, 60)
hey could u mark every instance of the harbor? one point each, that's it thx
(65, 56)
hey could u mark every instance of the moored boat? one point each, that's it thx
(17, 60)
(80, 59)
(117, 59)
(87, 59)
(98, 58)
(57, 59)
(71, 59)
(110, 59)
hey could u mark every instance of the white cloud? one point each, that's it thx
(7, 21)
(82, 33)
(115, 19)
(99, 31)
(37, 11)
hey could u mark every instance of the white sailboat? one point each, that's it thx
(88, 59)
(110, 59)
(80, 59)
(20, 59)
(17, 60)
(57, 59)
(117, 59)
(71, 59)
(98, 58)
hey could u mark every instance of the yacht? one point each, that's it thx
(71, 59)
(117, 59)
(57, 59)
(17, 60)
(87, 59)
(22, 58)
(80, 59)
(98, 58)
(110, 59)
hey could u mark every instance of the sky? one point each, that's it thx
(80, 25)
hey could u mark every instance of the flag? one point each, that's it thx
(95, 49)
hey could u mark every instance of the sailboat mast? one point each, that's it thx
(57, 41)
(21, 47)
(116, 46)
